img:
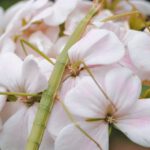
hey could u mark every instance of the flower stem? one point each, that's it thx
(48, 97)
(120, 16)
(18, 94)
(34, 48)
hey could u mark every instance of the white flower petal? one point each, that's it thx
(32, 112)
(47, 142)
(76, 16)
(58, 46)
(25, 11)
(58, 13)
(142, 5)
(139, 53)
(97, 47)
(58, 120)
(53, 33)
(41, 41)
(46, 68)
(21, 121)
(86, 104)
(136, 123)
(10, 70)
(16, 124)
(71, 138)
(11, 11)
(123, 88)
(33, 80)
(7, 45)
(9, 109)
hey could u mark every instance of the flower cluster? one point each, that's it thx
(103, 80)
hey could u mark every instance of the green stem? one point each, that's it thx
(34, 48)
(115, 17)
(17, 94)
(48, 97)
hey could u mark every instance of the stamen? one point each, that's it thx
(110, 119)
(74, 70)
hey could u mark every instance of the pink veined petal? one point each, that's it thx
(119, 30)
(41, 41)
(97, 47)
(75, 17)
(55, 125)
(58, 13)
(40, 3)
(32, 78)
(68, 84)
(58, 120)
(26, 10)
(16, 124)
(53, 33)
(47, 142)
(11, 11)
(10, 70)
(139, 53)
(142, 5)
(46, 68)
(136, 123)
(31, 116)
(9, 109)
(71, 138)
(21, 121)
(123, 88)
(86, 100)
(15, 22)
(58, 46)
(7, 45)
(100, 16)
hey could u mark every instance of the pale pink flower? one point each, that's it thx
(10, 12)
(58, 46)
(98, 48)
(20, 27)
(7, 45)
(23, 77)
(121, 109)
(57, 13)
(24, 12)
(76, 16)
(142, 5)
(137, 53)
(80, 12)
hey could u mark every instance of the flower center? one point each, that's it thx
(28, 100)
(74, 72)
(74, 69)
(110, 119)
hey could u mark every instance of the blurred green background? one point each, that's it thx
(7, 3)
